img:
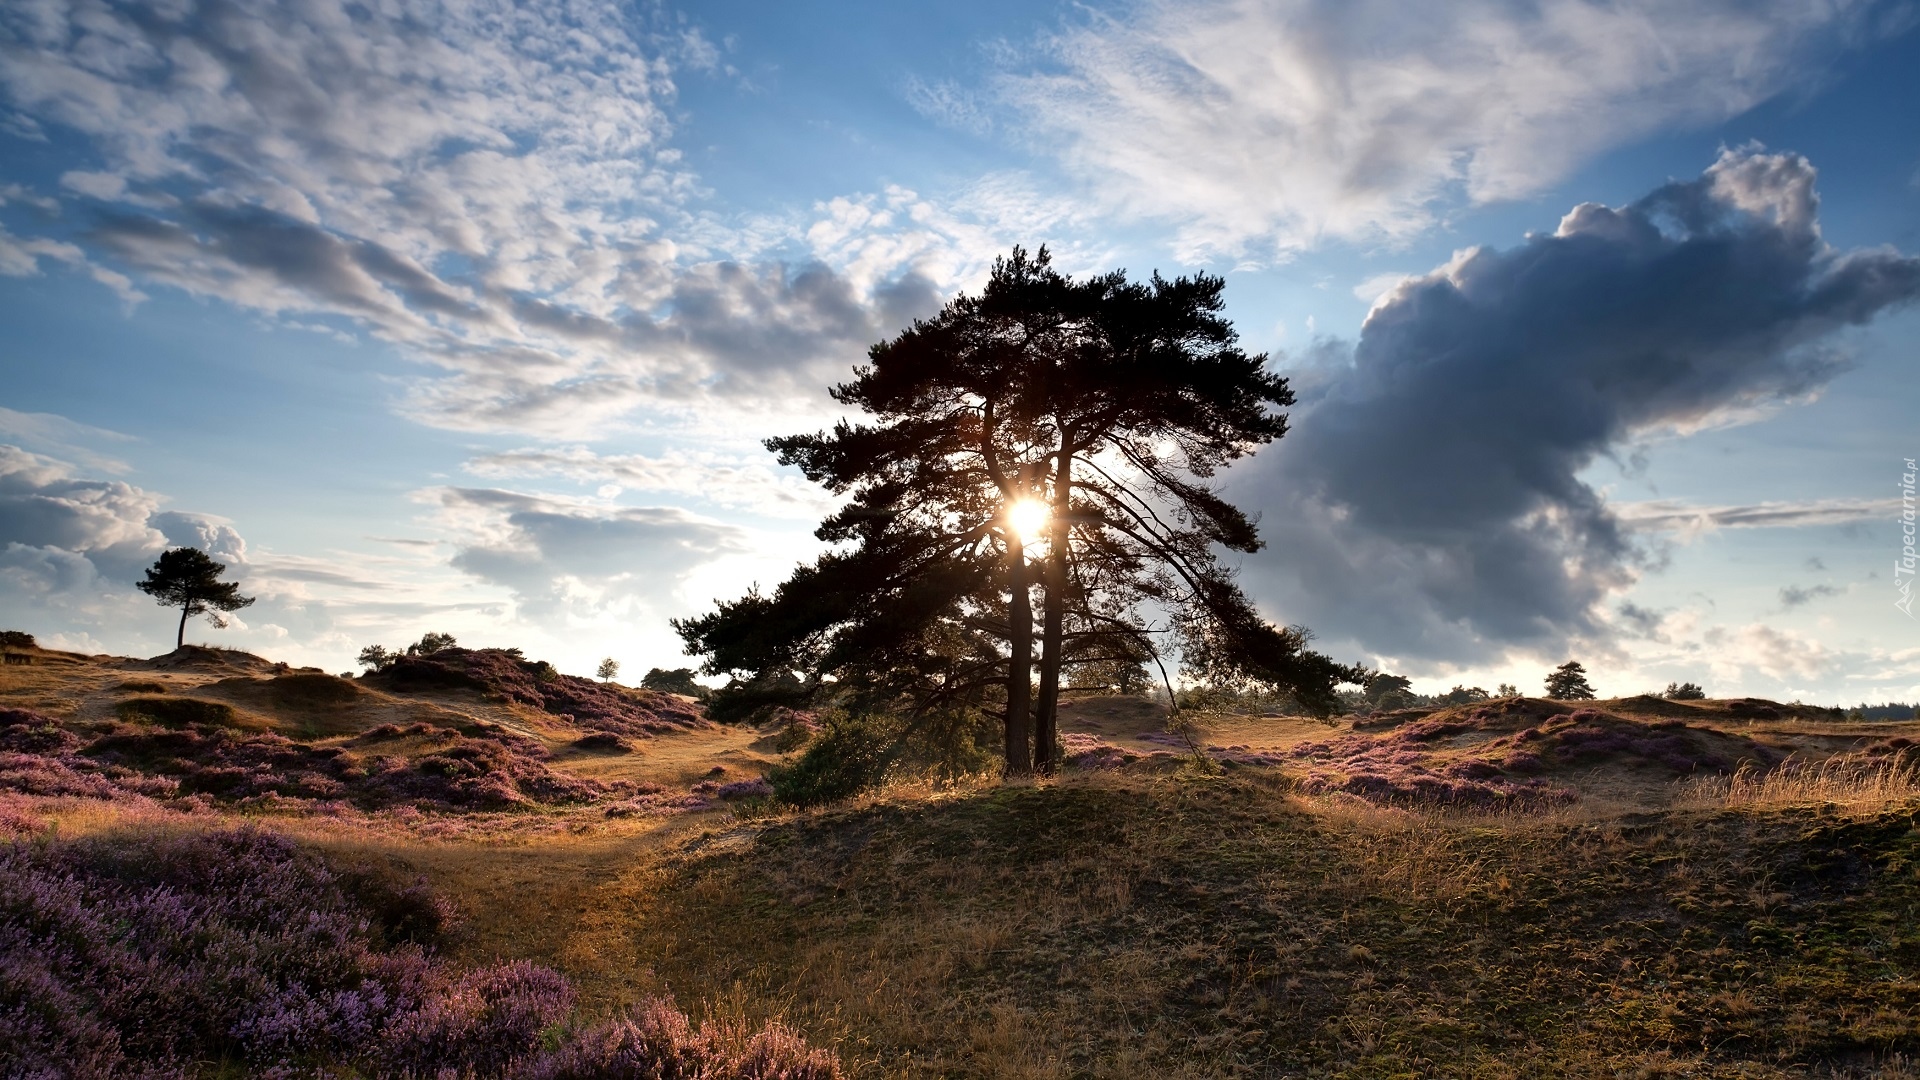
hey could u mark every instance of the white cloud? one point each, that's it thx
(491, 186)
(1377, 286)
(1266, 126)
(59, 435)
(729, 482)
(1778, 654)
(578, 558)
(1692, 519)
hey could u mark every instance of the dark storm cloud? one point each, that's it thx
(1428, 505)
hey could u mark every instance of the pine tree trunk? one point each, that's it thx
(1020, 664)
(180, 640)
(1046, 713)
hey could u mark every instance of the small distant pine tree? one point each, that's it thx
(431, 643)
(1506, 690)
(674, 681)
(1685, 691)
(189, 578)
(1569, 683)
(377, 657)
(608, 669)
(1382, 684)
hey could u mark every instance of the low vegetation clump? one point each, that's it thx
(506, 675)
(603, 742)
(1503, 754)
(145, 955)
(312, 688)
(492, 769)
(175, 711)
(854, 752)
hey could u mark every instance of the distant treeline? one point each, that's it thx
(1892, 710)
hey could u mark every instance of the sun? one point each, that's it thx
(1028, 518)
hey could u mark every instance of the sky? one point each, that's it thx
(471, 316)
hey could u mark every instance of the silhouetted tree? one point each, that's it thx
(673, 681)
(1107, 401)
(1684, 692)
(189, 578)
(430, 643)
(1380, 684)
(608, 669)
(1568, 682)
(377, 657)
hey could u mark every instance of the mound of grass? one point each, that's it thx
(1193, 926)
(1507, 753)
(140, 686)
(302, 688)
(507, 676)
(603, 742)
(174, 711)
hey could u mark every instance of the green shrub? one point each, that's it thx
(856, 752)
(850, 756)
(174, 712)
(16, 639)
(952, 744)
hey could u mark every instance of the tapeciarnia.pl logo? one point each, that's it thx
(1903, 567)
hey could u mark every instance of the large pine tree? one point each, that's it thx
(189, 579)
(1072, 423)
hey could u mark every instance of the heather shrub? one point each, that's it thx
(494, 771)
(121, 956)
(756, 788)
(605, 742)
(174, 711)
(657, 1042)
(487, 1020)
(158, 956)
(30, 733)
(506, 675)
(848, 757)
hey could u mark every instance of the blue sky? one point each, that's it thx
(470, 317)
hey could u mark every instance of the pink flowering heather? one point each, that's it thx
(484, 767)
(153, 956)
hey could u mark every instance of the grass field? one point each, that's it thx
(1166, 913)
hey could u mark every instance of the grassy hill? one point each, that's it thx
(1513, 888)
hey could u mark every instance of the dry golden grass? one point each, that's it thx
(1187, 921)
(1218, 926)
(1856, 783)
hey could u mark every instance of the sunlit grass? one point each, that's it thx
(1858, 782)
